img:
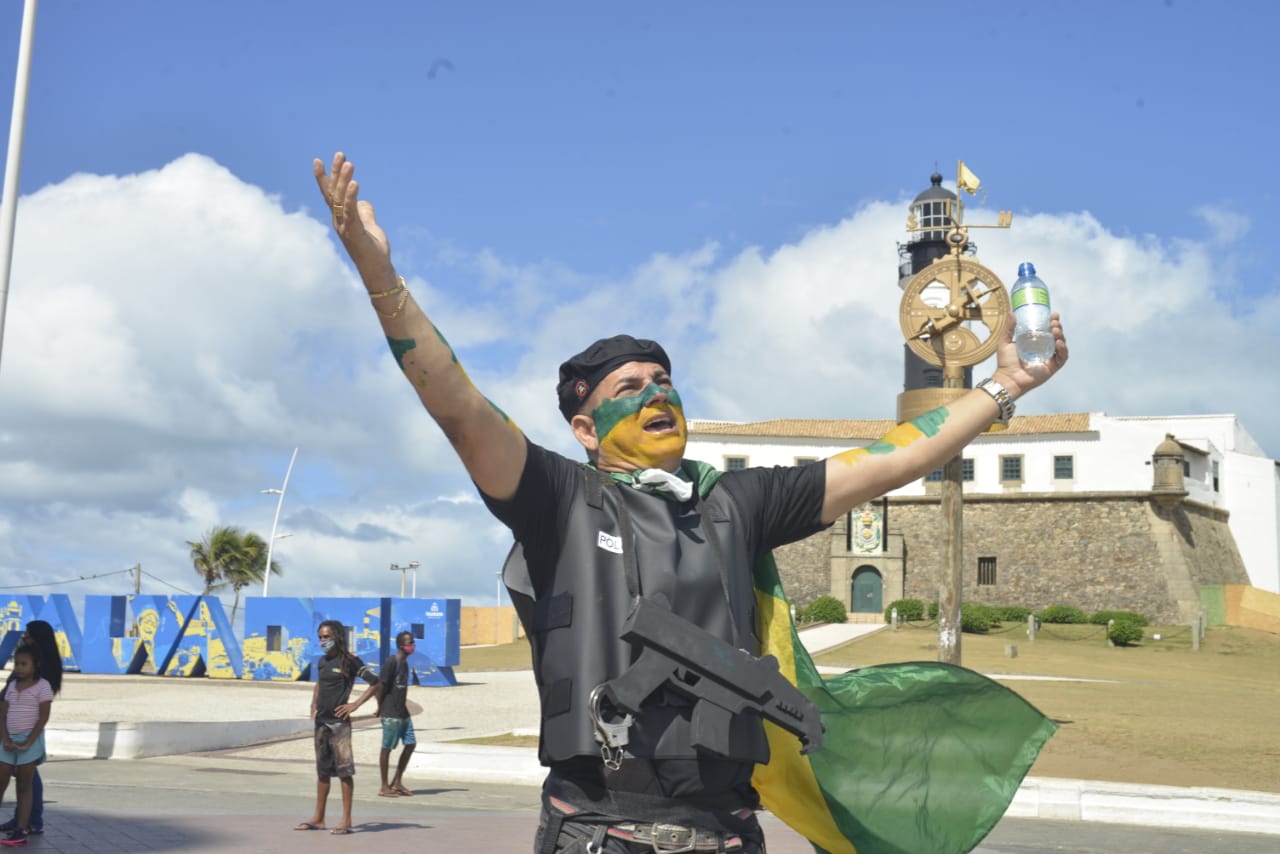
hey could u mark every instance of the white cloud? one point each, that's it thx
(173, 335)
(1225, 226)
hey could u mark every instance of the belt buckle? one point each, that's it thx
(672, 838)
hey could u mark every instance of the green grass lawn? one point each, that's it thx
(1166, 715)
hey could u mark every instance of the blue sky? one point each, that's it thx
(731, 177)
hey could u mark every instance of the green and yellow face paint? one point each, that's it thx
(620, 428)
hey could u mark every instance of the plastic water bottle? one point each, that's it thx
(1031, 333)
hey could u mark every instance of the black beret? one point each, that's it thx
(580, 374)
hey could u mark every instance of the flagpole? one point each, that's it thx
(13, 164)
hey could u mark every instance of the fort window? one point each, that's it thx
(966, 472)
(735, 463)
(986, 571)
(1011, 469)
(1064, 468)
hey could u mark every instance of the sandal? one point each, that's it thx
(306, 825)
(341, 831)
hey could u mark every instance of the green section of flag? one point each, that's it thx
(917, 757)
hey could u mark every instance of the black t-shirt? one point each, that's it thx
(336, 678)
(395, 687)
(779, 505)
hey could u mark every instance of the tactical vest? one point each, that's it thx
(574, 617)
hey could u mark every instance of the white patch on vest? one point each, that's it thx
(609, 543)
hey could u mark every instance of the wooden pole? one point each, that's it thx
(952, 571)
(953, 542)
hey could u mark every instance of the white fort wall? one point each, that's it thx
(1226, 469)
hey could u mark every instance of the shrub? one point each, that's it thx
(976, 618)
(1062, 614)
(1125, 631)
(908, 609)
(826, 609)
(933, 610)
(1011, 613)
(1101, 618)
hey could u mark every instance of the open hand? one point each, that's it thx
(353, 219)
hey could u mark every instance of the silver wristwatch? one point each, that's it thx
(1001, 396)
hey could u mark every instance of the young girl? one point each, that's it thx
(49, 662)
(24, 711)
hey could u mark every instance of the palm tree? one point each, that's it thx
(211, 555)
(248, 567)
(228, 558)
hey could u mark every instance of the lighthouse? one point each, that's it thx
(932, 212)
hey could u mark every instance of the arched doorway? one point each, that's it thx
(867, 591)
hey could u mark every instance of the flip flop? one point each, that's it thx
(341, 831)
(388, 794)
(306, 825)
(403, 791)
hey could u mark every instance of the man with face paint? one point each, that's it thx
(638, 520)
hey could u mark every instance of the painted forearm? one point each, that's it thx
(907, 452)
(488, 442)
(431, 366)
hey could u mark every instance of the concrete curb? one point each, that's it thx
(1158, 806)
(143, 739)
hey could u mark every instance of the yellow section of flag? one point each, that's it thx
(966, 180)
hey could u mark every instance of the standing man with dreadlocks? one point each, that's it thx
(639, 523)
(338, 671)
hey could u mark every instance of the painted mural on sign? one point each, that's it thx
(191, 635)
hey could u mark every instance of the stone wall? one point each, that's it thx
(805, 567)
(1094, 551)
(1207, 545)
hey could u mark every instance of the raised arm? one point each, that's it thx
(489, 444)
(913, 449)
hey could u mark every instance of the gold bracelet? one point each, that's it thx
(404, 298)
(400, 285)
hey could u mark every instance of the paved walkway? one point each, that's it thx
(265, 725)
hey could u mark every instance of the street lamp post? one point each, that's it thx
(266, 577)
(413, 564)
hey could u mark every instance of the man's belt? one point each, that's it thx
(675, 838)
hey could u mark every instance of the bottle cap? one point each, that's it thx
(1026, 268)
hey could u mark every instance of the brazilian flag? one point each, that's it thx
(917, 757)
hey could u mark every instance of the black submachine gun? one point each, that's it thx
(722, 680)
